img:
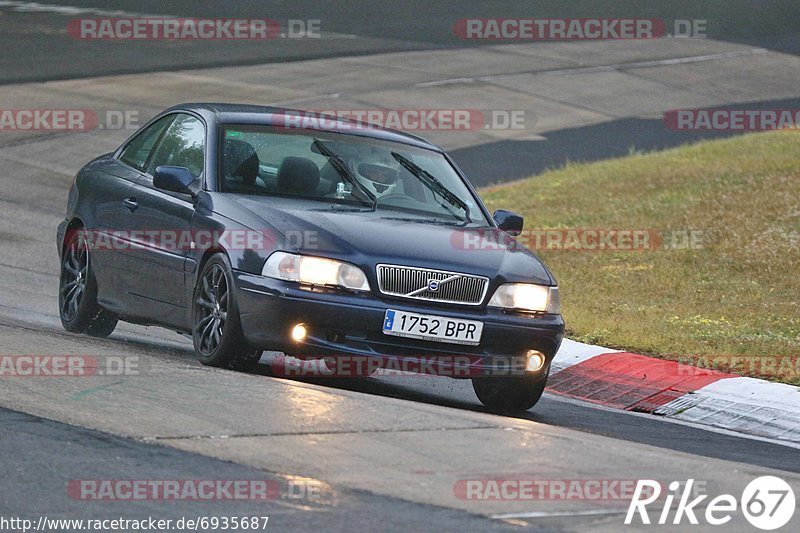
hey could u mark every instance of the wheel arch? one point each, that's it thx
(75, 224)
(208, 254)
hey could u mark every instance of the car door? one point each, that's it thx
(161, 223)
(110, 187)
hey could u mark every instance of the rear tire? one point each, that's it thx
(509, 394)
(216, 327)
(77, 292)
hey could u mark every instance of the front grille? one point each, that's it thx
(416, 283)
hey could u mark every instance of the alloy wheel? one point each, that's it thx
(74, 277)
(211, 309)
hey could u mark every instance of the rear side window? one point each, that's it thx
(138, 150)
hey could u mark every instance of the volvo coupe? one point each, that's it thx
(250, 230)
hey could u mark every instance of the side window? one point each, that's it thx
(138, 150)
(181, 146)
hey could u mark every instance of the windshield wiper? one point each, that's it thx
(437, 221)
(430, 181)
(338, 208)
(344, 171)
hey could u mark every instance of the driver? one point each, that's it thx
(379, 178)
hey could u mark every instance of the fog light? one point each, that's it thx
(299, 332)
(535, 361)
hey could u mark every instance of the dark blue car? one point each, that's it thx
(319, 238)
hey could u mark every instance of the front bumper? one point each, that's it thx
(341, 323)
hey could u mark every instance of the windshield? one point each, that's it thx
(345, 169)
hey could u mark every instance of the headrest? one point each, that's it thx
(298, 175)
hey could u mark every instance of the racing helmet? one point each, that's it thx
(378, 178)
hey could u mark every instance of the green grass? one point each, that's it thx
(736, 295)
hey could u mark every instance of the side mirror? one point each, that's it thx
(175, 179)
(508, 221)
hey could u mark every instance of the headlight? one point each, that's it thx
(527, 297)
(315, 271)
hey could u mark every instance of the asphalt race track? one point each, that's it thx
(38, 48)
(380, 453)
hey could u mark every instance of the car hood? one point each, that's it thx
(368, 238)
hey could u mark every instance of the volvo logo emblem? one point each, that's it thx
(433, 285)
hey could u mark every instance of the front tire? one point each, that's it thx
(216, 327)
(77, 292)
(509, 394)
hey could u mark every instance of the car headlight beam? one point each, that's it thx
(315, 271)
(527, 297)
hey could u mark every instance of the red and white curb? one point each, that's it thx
(635, 382)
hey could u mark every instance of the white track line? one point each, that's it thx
(601, 68)
(36, 7)
(551, 514)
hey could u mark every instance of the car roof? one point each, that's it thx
(258, 114)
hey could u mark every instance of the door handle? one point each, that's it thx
(130, 203)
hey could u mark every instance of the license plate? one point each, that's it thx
(432, 328)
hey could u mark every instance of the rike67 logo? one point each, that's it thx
(767, 502)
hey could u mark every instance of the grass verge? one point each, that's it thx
(730, 301)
